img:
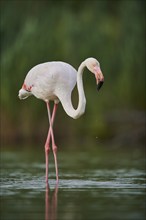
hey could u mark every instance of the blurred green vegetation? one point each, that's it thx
(34, 32)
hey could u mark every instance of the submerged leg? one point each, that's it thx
(54, 147)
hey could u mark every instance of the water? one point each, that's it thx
(94, 184)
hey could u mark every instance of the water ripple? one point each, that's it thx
(102, 179)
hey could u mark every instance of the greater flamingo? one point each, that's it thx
(54, 81)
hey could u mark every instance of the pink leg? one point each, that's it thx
(54, 147)
(47, 144)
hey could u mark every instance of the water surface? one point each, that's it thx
(94, 184)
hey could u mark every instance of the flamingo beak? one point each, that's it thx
(100, 83)
(99, 77)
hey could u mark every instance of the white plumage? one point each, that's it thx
(54, 81)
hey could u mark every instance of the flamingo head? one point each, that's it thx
(23, 94)
(94, 66)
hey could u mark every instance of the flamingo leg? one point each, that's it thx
(51, 134)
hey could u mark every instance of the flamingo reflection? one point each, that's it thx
(51, 203)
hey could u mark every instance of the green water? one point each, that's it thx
(95, 183)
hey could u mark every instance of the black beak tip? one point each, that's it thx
(99, 85)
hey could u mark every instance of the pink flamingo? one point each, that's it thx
(54, 81)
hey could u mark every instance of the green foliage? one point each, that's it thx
(33, 32)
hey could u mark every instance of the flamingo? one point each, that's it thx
(54, 81)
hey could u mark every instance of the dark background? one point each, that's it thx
(113, 32)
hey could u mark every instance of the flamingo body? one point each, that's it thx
(50, 80)
(54, 81)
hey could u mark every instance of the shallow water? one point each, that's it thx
(101, 184)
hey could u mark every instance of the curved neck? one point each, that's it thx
(82, 99)
(67, 104)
